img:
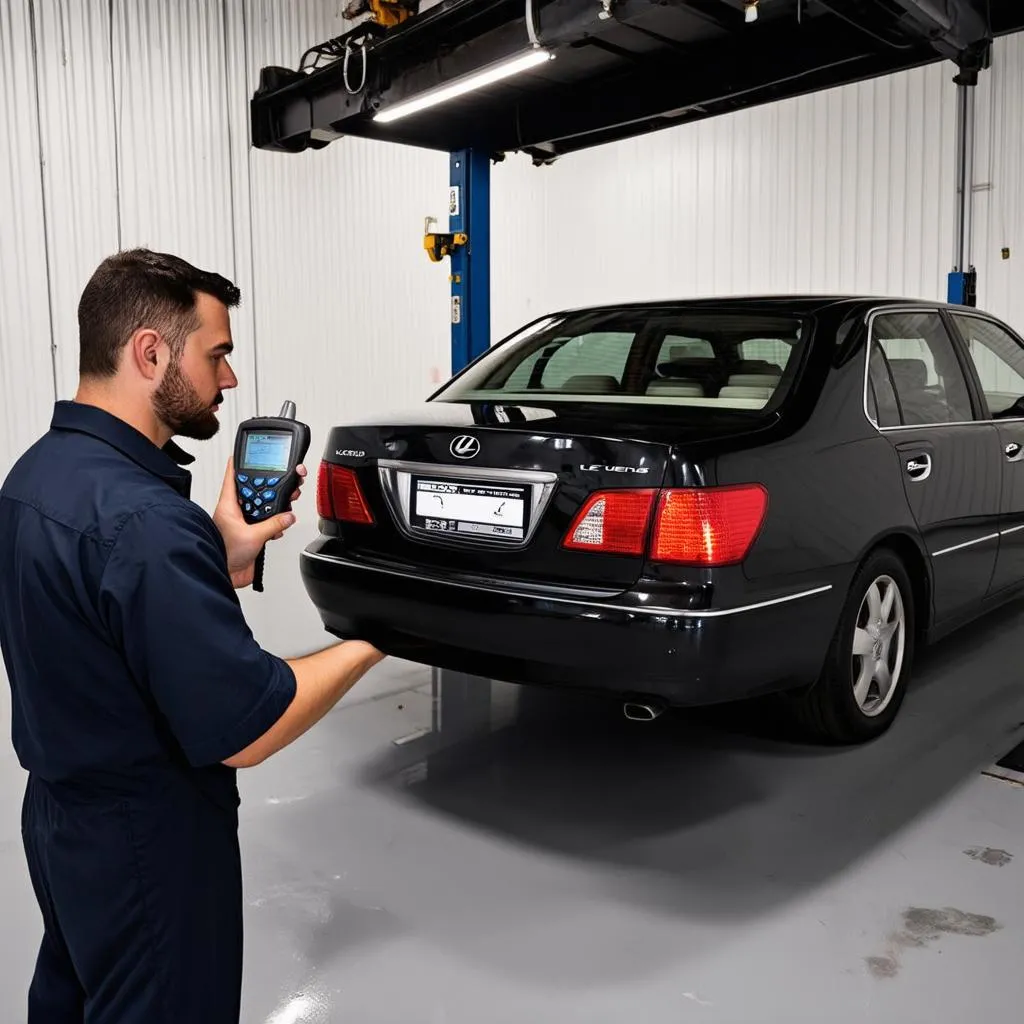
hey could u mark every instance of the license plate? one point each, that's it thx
(497, 511)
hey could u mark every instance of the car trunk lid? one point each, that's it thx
(522, 497)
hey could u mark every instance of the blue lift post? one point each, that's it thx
(469, 211)
(962, 282)
(460, 701)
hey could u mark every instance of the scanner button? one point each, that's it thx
(247, 492)
(269, 495)
(257, 502)
(242, 478)
(248, 506)
(258, 482)
(273, 480)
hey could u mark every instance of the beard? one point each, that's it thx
(179, 406)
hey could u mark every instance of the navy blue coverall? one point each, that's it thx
(134, 676)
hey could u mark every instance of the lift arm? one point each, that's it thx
(621, 67)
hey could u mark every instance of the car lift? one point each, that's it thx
(617, 76)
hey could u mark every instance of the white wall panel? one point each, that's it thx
(999, 183)
(79, 143)
(178, 192)
(26, 369)
(847, 190)
(351, 316)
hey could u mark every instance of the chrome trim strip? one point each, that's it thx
(1012, 529)
(714, 613)
(958, 423)
(968, 544)
(396, 483)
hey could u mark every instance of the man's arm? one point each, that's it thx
(169, 607)
(321, 680)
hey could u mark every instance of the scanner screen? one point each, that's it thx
(267, 451)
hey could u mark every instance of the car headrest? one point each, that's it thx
(591, 384)
(677, 353)
(909, 374)
(679, 388)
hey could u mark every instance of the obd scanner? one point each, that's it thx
(268, 450)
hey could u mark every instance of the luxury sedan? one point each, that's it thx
(691, 503)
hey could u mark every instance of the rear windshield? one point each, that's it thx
(699, 359)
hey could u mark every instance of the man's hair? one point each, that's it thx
(136, 289)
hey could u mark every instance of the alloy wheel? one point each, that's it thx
(879, 643)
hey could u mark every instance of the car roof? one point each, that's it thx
(799, 303)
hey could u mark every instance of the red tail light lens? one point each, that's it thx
(712, 526)
(339, 496)
(612, 522)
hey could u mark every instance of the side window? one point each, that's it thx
(999, 359)
(926, 378)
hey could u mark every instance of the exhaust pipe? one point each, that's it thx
(641, 711)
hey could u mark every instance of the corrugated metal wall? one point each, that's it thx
(128, 124)
(999, 183)
(26, 368)
(849, 189)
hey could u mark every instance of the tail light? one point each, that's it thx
(339, 496)
(612, 522)
(707, 527)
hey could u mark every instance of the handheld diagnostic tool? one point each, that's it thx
(268, 450)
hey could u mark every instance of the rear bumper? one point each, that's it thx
(632, 644)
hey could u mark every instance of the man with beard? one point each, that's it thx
(138, 689)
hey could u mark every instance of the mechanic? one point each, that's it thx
(138, 689)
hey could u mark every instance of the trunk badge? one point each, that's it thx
(465, 447)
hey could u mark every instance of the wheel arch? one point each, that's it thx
(910, 549)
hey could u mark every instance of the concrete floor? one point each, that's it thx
(501, 856)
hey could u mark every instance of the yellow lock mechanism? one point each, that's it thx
(440, 244)
(387, 13)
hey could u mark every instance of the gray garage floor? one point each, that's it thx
(498, 855)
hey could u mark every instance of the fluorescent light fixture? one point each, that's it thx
(461, 86)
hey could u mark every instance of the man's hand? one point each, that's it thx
(243, 540)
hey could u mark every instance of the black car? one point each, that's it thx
(689, 503)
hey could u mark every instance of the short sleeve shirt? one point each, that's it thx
(124, 641)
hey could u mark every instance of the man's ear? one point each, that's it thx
(146, 350)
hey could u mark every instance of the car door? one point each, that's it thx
(948, 455)
(997, 358)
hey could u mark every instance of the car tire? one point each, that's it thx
(869, 662)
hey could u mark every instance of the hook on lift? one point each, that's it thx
(440, 244)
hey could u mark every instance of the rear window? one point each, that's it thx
(706, 359)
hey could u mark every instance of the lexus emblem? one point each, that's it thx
(465, 447)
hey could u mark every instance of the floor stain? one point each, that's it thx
(928, 925)
(986, 855)
(883, 966)
(921, 928)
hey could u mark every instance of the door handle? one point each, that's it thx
(919, 467)
(1014, 451)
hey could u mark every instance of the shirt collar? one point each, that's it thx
(166, 462)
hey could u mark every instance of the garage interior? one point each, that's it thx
(450, 849)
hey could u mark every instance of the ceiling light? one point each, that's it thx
(750, 10)
(461, 86)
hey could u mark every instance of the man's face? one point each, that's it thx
(193, 386)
